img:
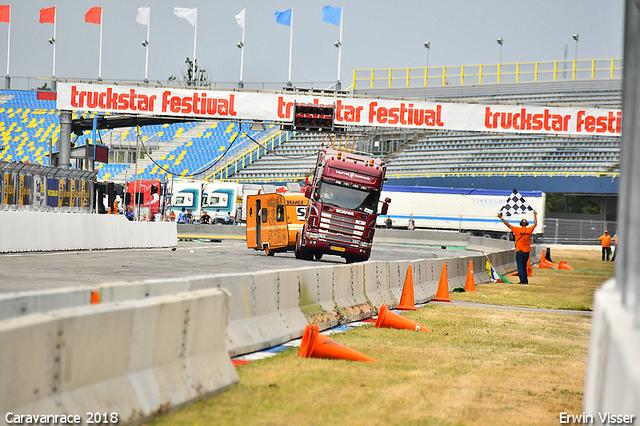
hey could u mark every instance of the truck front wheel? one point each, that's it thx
(300, 252)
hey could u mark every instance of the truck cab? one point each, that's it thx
(343, 207)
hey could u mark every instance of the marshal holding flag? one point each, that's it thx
(516, 204)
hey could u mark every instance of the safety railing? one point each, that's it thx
(250, 156)
(391, 176)
(579, 232)
(612, 175)
(521, 72)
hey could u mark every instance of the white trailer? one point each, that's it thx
(462, 209)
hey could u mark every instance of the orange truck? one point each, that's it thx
(273, 221)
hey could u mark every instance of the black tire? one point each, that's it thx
(318, 256)
(300, 252)
(296, 250)
(268, 251)
(351, 259)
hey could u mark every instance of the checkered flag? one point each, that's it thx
(516, 204)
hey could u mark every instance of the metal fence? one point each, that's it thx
(522, 72)
(578, 232)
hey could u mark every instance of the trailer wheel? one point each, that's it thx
(268, 251)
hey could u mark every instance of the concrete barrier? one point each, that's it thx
(612, 384)
(421, 276)
(504, 262)
(397, 274)
(24, 231)
(376, 284)
(348, 292)
(135, 358)
(212, 231)
(422, 236)
(480, 269)
(316, 296)
(27, 303)
(264, 308)
(489, 244)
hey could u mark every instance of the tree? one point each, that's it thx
(583, 204)
(193, 76)
(43, 88)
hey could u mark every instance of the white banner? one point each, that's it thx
(278, 107)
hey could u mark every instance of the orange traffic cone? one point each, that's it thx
(407, 300)
(389, 319)
(551, 265)
(470, 283)
(316, 345)
(563, 265)
(529, 270)
(542, 264)
(95, 297)
(443, 286)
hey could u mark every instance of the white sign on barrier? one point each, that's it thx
(278, 107)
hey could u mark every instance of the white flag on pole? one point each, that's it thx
(240, 19)
(143, 15)
(190, 15)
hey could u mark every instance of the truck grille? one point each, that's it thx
(343, 229)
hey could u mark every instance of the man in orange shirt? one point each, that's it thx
(606, 245)
(523, 244)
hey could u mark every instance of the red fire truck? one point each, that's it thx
(343, 207)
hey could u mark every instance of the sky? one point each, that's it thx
(376, 34)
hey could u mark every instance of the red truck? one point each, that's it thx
(343, 207)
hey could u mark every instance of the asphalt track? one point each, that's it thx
(40, 271)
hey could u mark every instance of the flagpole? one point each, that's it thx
(241, 85)
(338, 85)
(290, 47)
(146, 63)
(195, 34)
(7, 84)
(55, 22)
(100, 60)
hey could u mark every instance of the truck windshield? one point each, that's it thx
(348, 198)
